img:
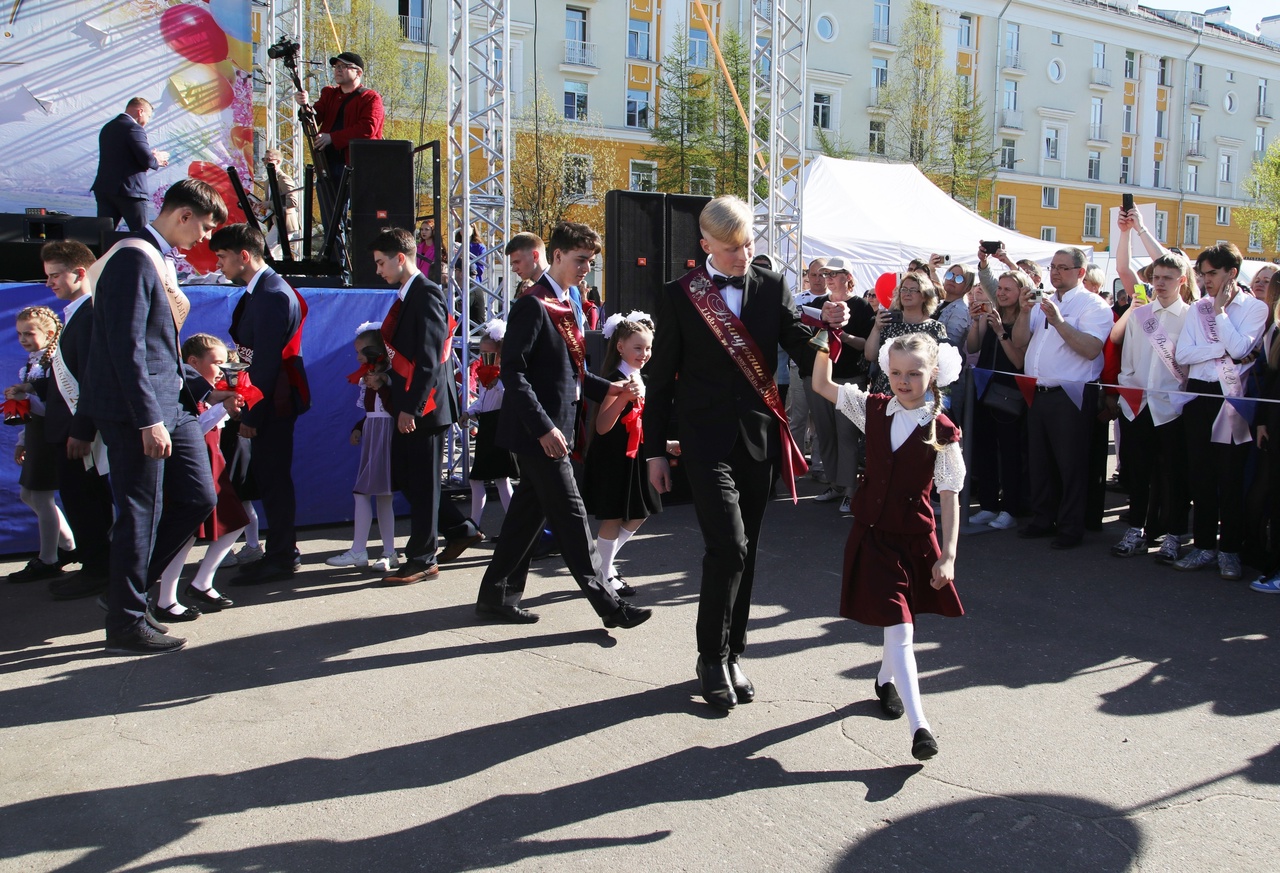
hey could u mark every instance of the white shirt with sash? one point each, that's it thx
(1141, 366)
(732, 296)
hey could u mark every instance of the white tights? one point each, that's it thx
(479, 497)
(167, 598)
(251, 532)
(899, 667)
(364, 521)
(213, 556)
(54, 530)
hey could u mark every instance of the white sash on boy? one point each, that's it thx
(69, 388)
(1229, 427)
(1162, 345)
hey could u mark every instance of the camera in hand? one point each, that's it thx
(284, 47)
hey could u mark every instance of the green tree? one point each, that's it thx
(1264, 210)
(684, 117)
(728, 145)
(972, 159)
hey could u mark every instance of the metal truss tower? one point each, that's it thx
(778, 124)
(477, 162)
(282, 18)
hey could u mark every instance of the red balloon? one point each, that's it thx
(200, 256)
(885, 286)
(191, 32)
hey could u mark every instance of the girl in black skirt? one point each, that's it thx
(617, 491)
(490, 462)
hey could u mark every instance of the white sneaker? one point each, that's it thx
(830, 495)
(246, 555)
(846, 505)
(986, 516)
(386, 564)
(349, 558)
(1003, 521)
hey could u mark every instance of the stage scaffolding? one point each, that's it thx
(282, 18)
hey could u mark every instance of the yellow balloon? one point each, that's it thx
(203, 89)
(240, 54)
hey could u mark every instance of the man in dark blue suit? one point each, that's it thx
(124, 157)
(267, 328)
(545, 379)
(418, 331)
(160, 475)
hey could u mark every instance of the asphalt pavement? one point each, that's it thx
(1093, 714)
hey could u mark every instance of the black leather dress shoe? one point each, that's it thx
(890, 702)
(717, 690)
(35, 571)
(206, 601)
(189, 613)
(923, 745)
(504, 612)
(77, 585)
(741, 684)
(627, 616)
(143, 640)
(262, 572)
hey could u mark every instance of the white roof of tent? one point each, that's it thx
(880, 216)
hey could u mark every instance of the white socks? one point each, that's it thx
(606, 548)
(53, 527)
(213, 556)
(899, 667)
(168, 596)
(363, 521)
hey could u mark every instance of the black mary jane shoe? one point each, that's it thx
(163, 613)
(206, 602)
(623, 589)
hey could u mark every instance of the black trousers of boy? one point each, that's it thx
(1217, 474)
(1148, 450)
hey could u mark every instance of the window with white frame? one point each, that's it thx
(1162, 226)
(1231, 76)
(1262, 95)
(577, 175)
(1011, 95)
(1049, 234)
(1095, 119)
(879, 73)
(1255, 237)
(1092, 221)
(1193, 178)
(1260, 139)
(1127, 118)
(1126, 170)
(821, 110)
(699, 48)
(1193, 129)
(880, 21)
(964, 34)
(1055, 38)
(1095, 166)
(1099, 55)
(1157, 174)
(1049, 197)
(638, 39)
(1191, 230)
(1008, 154)
(575, 101)
(1051, 143)
(1012, 42)
(1006, 211)
(1130, 65)
(702, 181)
(1166, 72)
(1226, 167)
(1224, 216)
(876, 140)
(1197, 75)
(644, 176)
(1160, 124)
(637, 108)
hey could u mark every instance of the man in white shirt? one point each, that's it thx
(1063, 335)
(1151, 423)
(1219, 332)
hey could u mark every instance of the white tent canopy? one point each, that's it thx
(879, 216)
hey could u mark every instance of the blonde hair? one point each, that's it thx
(924, 347)
(967, 276)
(927, 289)
(1094, 277)
(727, 219)
(47, 319)
(197, 344)
(1023, 281)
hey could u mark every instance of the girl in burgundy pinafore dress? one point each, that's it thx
(894, 566)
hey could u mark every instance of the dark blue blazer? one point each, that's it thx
(421, 335)
(540, 388)
(265, 321)
(74, 341)
(134, 373)
(124, 156)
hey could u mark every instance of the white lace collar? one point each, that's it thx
(921, 415)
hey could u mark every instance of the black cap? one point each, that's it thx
(348, 58)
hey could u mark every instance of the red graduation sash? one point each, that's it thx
(403, 365)
(566, 323)
(737, 342)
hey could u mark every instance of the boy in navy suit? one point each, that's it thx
(160, 476)
(267, 327)
(124, 157)
(545, 381)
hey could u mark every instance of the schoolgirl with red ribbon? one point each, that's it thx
(490, 462)
(618, 492)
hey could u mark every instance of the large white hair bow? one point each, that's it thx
(949, 362)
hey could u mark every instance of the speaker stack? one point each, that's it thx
(381, 197)
(21, 237)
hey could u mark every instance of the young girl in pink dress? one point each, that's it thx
(894, 565)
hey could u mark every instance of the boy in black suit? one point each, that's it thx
(545, 380)
(86, 493)
(160, 476)
(418, 332)
(711, 376)
(267, 327)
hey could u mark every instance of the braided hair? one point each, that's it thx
(924, 347)
(48, 320)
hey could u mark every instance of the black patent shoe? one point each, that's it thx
(923, 745)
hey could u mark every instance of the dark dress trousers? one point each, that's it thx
(134, 381)
(264, 322)
(431, 396)
(540, 386)
(86, 494)
(729, 440)
(124, 157)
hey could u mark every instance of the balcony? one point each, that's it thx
(1196, 151)
(1011, 119)
(1098, 135)
(1198, 97)
(876, 102)
(880, 34)
(580, 54)
(1014, 64)
(1265, 112)
(413, 29)
(1099, 77)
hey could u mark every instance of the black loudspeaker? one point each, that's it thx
(381, 196)
(683, 247)
(20, 261)
(634, 268)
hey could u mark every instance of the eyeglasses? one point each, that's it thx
(341, 66)
(827, 274)
(955, 276)
(1063, 267)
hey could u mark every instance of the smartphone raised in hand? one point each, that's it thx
(1126, 201)
(992, 246)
